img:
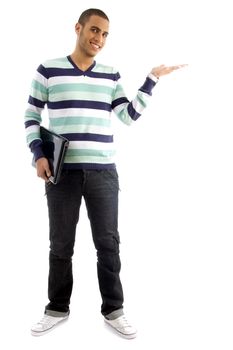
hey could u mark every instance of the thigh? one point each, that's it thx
(101, 197)
(64, 200)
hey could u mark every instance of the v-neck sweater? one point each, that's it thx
(80, 105)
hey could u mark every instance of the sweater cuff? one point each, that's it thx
(153, 77)
(37, 150)
(149, 84)
(38, 154)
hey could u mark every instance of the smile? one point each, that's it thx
(95, 46)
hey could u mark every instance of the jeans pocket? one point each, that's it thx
(112, 178)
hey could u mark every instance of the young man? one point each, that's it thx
(80, 95)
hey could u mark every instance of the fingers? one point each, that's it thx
(48, 172)
(179, 66)
(43, 174)
(164, 70)
(43, 171)
(172, 68)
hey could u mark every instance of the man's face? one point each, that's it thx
(92, 35)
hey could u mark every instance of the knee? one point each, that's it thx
(107, 245)
(61, 250)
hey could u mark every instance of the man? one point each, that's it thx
(80, 95)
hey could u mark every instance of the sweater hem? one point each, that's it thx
(88, 166)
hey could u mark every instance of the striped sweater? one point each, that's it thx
(79, 108)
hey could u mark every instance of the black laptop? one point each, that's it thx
(54, 148)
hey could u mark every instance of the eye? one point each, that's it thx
(94, 30)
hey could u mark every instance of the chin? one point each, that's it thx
(92, 55)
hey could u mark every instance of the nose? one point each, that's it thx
(98, 38)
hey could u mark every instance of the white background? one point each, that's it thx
(175, 168)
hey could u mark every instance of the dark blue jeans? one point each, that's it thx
(99, 188)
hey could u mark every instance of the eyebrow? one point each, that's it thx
(95, 27)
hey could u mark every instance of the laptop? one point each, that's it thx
(54, 148)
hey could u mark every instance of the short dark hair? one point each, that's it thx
(84, 17)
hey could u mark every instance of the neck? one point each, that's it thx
(82, 61)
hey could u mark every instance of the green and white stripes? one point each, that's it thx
(80, 107)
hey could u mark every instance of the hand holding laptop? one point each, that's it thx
(54, 147)
(42, 168)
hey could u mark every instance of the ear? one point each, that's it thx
(78, 27)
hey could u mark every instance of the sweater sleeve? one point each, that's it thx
(128, 111)
(32, 118)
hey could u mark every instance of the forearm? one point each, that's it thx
(128, 111)
(32, 118)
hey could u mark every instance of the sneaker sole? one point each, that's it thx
(126, 336)
(39, 334)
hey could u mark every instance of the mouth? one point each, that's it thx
(95, 46)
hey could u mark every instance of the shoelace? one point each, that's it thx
(46, 320)
(123, 322)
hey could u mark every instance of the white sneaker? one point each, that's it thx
(122, 326)
(46, 324)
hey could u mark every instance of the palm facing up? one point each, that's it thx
(164, 70)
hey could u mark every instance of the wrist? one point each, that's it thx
(153, 77)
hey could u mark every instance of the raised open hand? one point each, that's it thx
(164, 70)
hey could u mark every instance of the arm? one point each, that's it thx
(127, 111)
(36, 102)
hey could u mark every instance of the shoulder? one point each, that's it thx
(54, 67)
(60, 62)
(102, 68)
(109, 71)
